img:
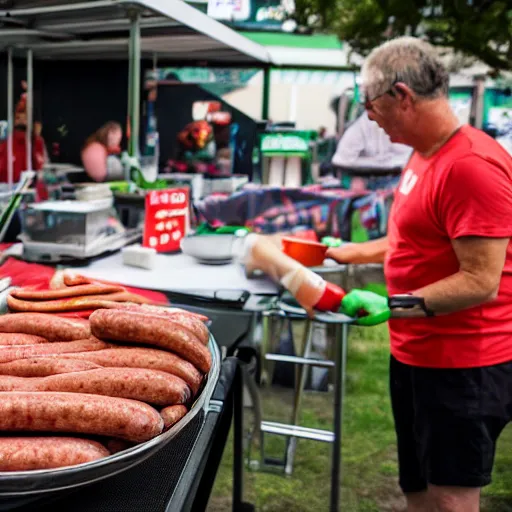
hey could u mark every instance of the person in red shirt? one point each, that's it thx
(448, 267)
(19, 145)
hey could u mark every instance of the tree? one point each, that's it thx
(476, 28)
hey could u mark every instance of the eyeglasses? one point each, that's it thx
(367, 102)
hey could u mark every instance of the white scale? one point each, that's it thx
(59, 231)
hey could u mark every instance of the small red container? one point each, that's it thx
(305, 234)
(309, 253)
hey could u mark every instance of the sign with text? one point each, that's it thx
(166, 219)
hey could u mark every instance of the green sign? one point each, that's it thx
(296, 143)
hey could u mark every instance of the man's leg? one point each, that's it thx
(412, 478)
(461, 413)
(418, 502)
(454, 499)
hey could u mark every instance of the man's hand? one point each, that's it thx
(368, 307)
(373, 251)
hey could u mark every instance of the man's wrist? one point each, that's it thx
(407, 305)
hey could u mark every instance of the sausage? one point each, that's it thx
(64, 278)
(84, 313)
(79, 413)
(30, 453)
(72, 291)
(171, 311)
(180, 316)
(117, 445)
(44, 366)
(51, 327)
(76, 279)
(15, 338)
(126, 326)
(149, 386)
(172, 414)
(192, 324)
(47, 349)
(142, 357)
(70, 304)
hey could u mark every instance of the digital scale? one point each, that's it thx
(63, 231)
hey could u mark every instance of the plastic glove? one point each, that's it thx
(367, 307)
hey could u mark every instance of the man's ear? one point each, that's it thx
(401, 90)
(405, 94)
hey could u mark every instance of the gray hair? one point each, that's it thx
(408, 60)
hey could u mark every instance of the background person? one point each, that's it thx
(365, 144)
(100, 153)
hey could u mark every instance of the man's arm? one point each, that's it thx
(373, 251)
(477, 281)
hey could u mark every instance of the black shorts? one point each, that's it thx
(447, 422)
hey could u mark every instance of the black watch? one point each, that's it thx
(408, 302)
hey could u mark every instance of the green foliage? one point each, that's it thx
(477, 28)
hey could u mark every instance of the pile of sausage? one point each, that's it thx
(73, 390)
(72, 295)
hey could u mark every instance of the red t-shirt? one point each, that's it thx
(19, 151)
(464, 189)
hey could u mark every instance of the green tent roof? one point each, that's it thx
(315, 41)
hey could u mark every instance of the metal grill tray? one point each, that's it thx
(32, 484)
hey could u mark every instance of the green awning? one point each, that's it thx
(314, 41)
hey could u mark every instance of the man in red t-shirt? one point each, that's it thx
(448, 267)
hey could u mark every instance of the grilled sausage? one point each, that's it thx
(78, 413)
(51, 327)
(47, 349)
(70, 304)
(131, 327)
(15, 338)
(30, 453)
(72, 291)
(172, 415)
(141, 357)
(149, 386)
(45, 366)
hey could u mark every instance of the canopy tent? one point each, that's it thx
(100, 30)
(170, 30)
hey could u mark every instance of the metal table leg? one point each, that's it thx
(339, 393)
(301, 371)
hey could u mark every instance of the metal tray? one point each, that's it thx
(27, 486)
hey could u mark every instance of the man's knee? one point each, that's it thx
(454, 499)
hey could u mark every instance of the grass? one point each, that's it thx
(368, 447)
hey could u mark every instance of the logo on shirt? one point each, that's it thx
(408, 181)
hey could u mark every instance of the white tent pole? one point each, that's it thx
(30, 107)
(10, 117)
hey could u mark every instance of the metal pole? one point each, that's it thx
(30, 105)
(339, 391)
(135, 81)
(266, 94)
(130, 94)
(10, 117)
(238, 440)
